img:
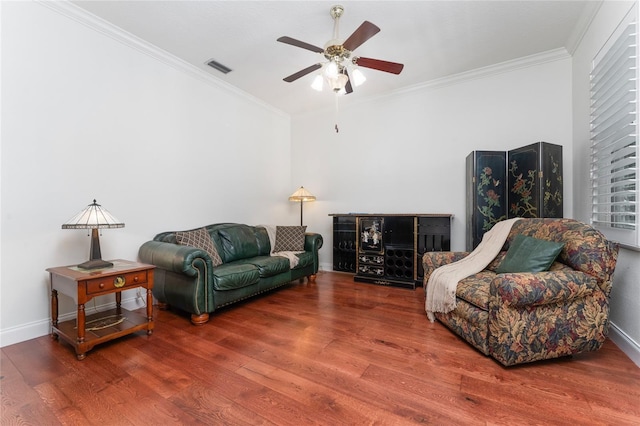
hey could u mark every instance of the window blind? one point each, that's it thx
(614, 142)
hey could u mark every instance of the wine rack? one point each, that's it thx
(399, 263)
(388, 249)
(344, 244)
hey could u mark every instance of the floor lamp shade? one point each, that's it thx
(302, 195)
(93, 217)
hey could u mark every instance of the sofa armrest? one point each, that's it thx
(434, 259)
(312, 242)
(185, 260)
(541, 288)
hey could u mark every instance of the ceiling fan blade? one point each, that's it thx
(348, 88)
(377, 64)
(302, 73)
(363, 33)
(302, 44)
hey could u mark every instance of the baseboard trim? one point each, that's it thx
(625, 343)
(325, 267)
(35, 329)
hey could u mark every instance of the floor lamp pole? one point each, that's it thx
(300, 212)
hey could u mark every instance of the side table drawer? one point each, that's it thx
(119, 282)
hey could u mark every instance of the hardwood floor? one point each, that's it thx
(331, 352)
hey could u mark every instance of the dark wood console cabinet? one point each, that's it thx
(387, 249)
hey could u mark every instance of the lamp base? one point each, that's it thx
(95, 264)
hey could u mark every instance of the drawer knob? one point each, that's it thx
(135, 279)
(118, 282)
(101, 285)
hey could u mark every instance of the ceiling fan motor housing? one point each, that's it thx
(336, 52)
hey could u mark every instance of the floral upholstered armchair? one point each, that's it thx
(529, 316)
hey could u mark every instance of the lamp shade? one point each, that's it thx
(92, 217)
(302, 195)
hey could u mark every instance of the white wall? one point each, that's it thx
(85, 116)
(406, 153)
(625, 296)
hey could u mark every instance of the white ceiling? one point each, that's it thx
(434, 39)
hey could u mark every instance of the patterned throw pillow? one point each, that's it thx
(200, 238)
(289, 238)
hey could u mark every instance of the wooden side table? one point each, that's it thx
(83, 285)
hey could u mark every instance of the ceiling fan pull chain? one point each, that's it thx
(337, 110)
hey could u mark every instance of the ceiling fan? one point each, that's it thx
(340, 70)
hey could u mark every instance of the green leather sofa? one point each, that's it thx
(185, 277)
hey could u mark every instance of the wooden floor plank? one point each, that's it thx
(330, 352)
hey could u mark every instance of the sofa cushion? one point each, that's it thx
(475, 289)
(234, 276)
(263, 241)
(268, 266)
(289, 238)
(528, 254)
(238, 242)
(200, 238)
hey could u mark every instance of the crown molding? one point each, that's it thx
(475, 74)
(77, 14)
(104, 27)
(584, 22)
(491, 70)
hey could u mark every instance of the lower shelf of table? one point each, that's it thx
(102, 327)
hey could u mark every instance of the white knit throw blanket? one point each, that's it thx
(441, 287)
(291, 255)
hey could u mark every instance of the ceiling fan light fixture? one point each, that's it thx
(331, 70)
(358, 77)
(318, 82)
(338, 82)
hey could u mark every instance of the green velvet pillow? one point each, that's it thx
(528, 254)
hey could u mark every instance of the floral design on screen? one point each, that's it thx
(489, 189)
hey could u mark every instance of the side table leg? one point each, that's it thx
(81, 323)
(149, 310)
(118, 302)
(54, 312)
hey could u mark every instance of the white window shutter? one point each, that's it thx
(614, 141)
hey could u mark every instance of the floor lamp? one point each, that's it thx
(302, 195)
